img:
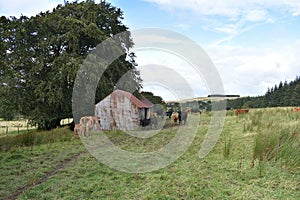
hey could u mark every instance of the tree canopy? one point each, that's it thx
(42, 54)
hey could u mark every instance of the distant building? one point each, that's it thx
(122, 111)
(223, 95)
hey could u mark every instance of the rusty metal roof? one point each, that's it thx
(144, 103)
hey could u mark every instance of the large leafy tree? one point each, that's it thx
(42, 55)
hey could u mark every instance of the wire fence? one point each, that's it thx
(18, 126)
(14, 127)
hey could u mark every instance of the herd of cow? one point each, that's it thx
(88, 124)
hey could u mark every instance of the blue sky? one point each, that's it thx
(254, 44)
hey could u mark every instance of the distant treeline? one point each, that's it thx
(283, 94)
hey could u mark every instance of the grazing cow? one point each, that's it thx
(169, 113)
(78, 131)
(240, 111)
(153, 120)
(188, 110)
(195, 110)
(160, 113)
(145, 122)
(296, 109)
(182, 117)
(229, 108)
(175, 117)
(89, 124)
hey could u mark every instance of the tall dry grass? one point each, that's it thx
(277, 136)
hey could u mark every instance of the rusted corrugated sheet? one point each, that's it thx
(145, 103)
(119, 110)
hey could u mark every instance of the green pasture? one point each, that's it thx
(14, 127)
(257, 157)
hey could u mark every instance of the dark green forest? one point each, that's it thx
(283, 94)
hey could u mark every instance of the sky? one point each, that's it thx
(254, 44)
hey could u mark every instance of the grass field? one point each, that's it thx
(11, 127)
(257, 157)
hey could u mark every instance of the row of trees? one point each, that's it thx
(283, 94)
(40, 57)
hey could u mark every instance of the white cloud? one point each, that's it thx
(257, 15)
(250, 71)
(253, 10)
(228, 28)
(26, 7)
(244, 71)
(160, 68)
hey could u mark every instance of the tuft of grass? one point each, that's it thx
(227, 148)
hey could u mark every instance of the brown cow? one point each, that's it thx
(296, 109)
(154, 120)
(89, 124)
(78, 130)
(175, 117)
(240, 111)
(188, 110)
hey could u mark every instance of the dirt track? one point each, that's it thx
(57, 169)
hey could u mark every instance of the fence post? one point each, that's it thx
(6, 132)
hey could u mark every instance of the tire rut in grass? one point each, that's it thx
(49, 174)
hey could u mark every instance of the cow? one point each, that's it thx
(160, 113)
(169, 113)
(182, 117)
(296, 109)
(188, 110)
(175, 117)
(153, 120)
(229, 108)
(240, 111)
(78, 130)
(89, 124)
(195, 110)
(145, 122)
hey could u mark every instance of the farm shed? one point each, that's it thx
(122, 111)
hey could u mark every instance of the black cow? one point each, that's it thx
(152, 122)
(160, 113)
(169, 113)
(182, 117)
(145, 122)
(195, 110)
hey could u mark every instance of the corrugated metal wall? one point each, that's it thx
(116, 111)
